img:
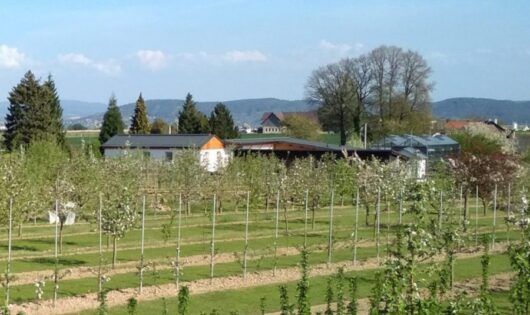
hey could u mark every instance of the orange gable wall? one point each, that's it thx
(213, 143)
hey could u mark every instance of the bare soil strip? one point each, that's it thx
(163, 264)
(120, 297)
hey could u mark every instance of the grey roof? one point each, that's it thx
(411, 153)
(411, 140)
(157, 141)
(318, 146)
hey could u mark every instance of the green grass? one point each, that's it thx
(37, 241)
(246, 301)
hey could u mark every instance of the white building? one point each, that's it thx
(212, 152)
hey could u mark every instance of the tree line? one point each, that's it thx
(35, 114)
(387, 88)
(189, 121)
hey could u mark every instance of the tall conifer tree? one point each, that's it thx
(221, 122)
(34, 113)
(56, 111)
(112, 121)
(191, 120)
(139, 121)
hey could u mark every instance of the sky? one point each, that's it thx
(234, 49)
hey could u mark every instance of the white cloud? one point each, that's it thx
(245, 56)
(10, 57)
(340, 49)
(109, 67)
(75, 58)
(152, 59)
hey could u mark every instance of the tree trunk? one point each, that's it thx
(465, 212)
(61, 226)
(313, 210)
(367, 207)
(19, 229)
(114, 251)
(285, 219)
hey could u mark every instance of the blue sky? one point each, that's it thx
(230, 49)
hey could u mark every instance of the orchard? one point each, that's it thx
(131, 235)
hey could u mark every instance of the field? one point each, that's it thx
(33, 260)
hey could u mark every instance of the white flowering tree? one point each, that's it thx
(188, 176)
(119, 201)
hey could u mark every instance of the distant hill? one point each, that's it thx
(484, 108)
(243, 111)
(251, 110)
(72, 109)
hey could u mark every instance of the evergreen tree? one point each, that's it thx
(34, 113)
(56, 111)
(139, 121)
(191, 120)
(221, 122)
(112, 121)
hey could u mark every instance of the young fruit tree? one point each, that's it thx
(119, 202)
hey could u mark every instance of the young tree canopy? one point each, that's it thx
(299, 126)
(159, 126)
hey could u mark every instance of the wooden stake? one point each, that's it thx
(276, 233)
(212, 252)
(509, 211)
(246, 238)
(142, 247)
(494, 216)
(461, 207)
(440, 213)
(378, 218)
(177, 260)
(305, 218)
(8, 265)
(330, 236)
(400, 217)
(355, 228)
(56, 256)
(100, 270)
(476, 215)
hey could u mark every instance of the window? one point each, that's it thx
(169, 156)
(147, 154)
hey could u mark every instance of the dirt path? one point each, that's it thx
(119, 297)
(162, 264)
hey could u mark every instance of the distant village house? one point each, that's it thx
(272, 122)
(212, 150)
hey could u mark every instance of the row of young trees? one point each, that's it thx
(189, 121)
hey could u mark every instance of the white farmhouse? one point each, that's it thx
(212, 151)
